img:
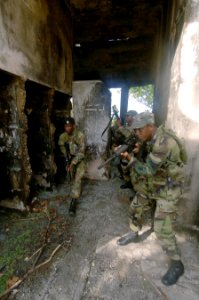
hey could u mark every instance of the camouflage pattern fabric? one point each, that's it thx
(159, 179)
(77, 151)
(121, 134)
(126, 131)
(77, 180)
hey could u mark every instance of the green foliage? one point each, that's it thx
(143, 94)
(15, 249)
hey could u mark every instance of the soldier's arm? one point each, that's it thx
(125, 132)
(81, 150)
(154, 161)
(61, 143)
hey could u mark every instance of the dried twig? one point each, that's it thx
(31, 271)
(29, 258)
(45, 240)
(27, 219)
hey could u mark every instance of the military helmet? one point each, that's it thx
(69, 121)
(142, 119)
(131, 113)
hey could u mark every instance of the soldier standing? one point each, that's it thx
(160, 178)
(72, 146)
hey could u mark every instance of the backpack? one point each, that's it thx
(183, 152)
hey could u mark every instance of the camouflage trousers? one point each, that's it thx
(125, 171)
(164, 217)
(76, 184)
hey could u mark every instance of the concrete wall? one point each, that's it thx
(91, 108)
(170, 28)
(183, 108)
(36, 42)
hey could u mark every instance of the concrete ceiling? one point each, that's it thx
(116, 40)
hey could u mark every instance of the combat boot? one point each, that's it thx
(126, 185)
(175, 270)
(72, 208)
(129, 238)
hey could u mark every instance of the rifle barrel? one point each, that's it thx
(107, 161)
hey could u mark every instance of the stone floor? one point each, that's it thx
(96, 268)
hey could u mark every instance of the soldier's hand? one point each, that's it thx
(70, 167)
(137, 148)
(119, 122)
(125, 155)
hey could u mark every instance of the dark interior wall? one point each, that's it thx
(36, 41)
(38, 108)
(7, 121)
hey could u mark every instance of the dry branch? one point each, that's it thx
(31, 271)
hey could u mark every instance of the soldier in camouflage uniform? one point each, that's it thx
(122, 133)
(75, 141)
(159, 179)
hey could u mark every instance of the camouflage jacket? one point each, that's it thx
(76, 145)
(126, 131)
(163, 164)
(121, 134)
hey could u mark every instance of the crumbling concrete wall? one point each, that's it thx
(183, 108)
(36, 42)
(15, 170)
(36, 53)
(164, 50)
(92, 108)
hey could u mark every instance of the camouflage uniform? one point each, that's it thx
(159, 179)
(126, 131)
(77, 151)
(122, 134)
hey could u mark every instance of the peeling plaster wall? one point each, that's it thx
(166, 43)
(183, 109)
(91, 108)
(36, 42)
(15, 170)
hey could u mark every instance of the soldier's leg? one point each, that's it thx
(76, 187)
(77, 180)
(163, 228)
(165, 218)
(126, 175)
(139, 204)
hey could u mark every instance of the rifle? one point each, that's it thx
(128, 146)
(115, 114)
(68, 161)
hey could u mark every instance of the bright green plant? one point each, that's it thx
(143, 94)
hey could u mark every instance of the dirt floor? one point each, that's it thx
(89, 265)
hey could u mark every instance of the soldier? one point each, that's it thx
(75, 153)
(121, 134)
(127, 130)
(160, 178)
